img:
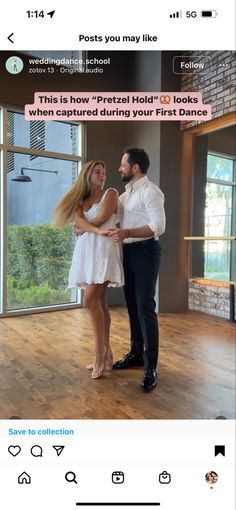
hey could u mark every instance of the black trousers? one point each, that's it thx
(141, 267)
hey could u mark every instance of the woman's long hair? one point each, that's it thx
(65, 210)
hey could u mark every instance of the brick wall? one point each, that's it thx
(218, 85)
(209, 297)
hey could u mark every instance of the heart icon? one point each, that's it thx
(14, 450)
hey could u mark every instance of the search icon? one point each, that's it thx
(70, 476)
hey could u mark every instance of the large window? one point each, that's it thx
(40, 162)
(220, 206)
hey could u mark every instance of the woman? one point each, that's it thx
(97, 259)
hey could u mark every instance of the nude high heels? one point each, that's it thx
(97, 372)
(108, 360)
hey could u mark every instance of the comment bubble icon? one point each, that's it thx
(36, 451)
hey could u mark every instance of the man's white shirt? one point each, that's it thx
(141, 204)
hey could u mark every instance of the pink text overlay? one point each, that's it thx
(85, 106)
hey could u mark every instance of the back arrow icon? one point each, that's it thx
(9, 38)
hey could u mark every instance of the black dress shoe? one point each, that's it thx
(149, 381)
(128, 361)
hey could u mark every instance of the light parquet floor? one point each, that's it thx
(43, 375)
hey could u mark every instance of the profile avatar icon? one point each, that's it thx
(211, 477)
(14, 65)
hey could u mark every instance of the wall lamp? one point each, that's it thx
(25, 178)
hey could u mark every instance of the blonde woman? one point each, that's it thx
(97, 259)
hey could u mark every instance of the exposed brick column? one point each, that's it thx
(218, 84)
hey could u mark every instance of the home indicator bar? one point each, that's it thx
(118, 504)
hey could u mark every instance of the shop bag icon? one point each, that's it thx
(164, 477)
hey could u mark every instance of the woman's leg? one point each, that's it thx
(107, 323)
(93, 301)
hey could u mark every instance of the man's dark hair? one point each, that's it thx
(138, 157)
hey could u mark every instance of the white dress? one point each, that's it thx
(97, 258)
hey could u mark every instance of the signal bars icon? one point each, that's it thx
(177, 14)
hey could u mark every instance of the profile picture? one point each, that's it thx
(211, 477)
(14, 65)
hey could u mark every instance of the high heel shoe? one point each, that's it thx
(108, 366)
(109, 359)
(90, 366)
(97, 372)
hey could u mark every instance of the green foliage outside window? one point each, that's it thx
(39, 259)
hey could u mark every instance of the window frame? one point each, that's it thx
(232, 183)
(4, 149)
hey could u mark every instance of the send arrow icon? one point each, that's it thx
(58, 449)
(220, 450)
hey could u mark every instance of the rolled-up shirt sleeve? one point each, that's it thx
(153, 200)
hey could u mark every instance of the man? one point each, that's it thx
(142, 221)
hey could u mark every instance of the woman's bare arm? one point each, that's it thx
(109, 207)
(86, 225)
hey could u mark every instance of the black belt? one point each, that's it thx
(138, 243)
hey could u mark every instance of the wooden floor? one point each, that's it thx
(43, 374)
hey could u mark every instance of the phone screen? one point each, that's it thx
(118, 256)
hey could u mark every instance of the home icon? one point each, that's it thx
(24, 478)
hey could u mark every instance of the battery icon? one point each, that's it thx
(209, 14)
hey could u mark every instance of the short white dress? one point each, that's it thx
(97, 258)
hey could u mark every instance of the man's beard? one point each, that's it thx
(127, 177)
